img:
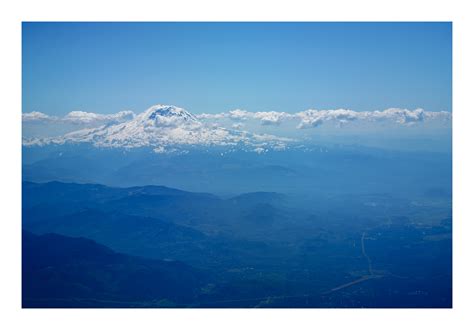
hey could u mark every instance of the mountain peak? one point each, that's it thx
(164, 127)
(159, 112)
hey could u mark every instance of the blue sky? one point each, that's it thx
(215, 67)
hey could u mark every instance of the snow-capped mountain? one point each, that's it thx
(164, 127)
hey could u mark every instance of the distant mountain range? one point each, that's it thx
(152, 221)
(319, 170)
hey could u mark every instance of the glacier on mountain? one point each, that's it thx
(163, 127)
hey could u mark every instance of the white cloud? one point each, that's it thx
(272, 117)
(82, 117)
(36, 116)
(442, 116)
(221, 115)
(309, 121)
(239, 114)
(79, 118)
(401, 116)
(314, 118)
